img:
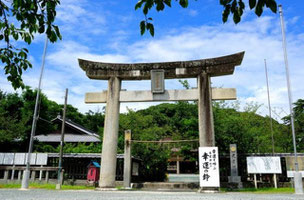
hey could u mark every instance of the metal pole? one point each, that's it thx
(58, 186)
(297, 174)
(26, 174)
(271, 128)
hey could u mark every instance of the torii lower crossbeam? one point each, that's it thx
(168, 95)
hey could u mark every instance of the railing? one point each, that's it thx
(44, 172)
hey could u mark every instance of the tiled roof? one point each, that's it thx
(67, 138)
(76, 126)
(85, 155)
(85, 136)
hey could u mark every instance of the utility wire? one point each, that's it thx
(45, 120)
(162, 141)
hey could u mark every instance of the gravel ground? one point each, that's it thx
(14, 194)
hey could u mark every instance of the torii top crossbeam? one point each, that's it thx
(182, 69)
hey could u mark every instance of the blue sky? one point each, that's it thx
(108, 31)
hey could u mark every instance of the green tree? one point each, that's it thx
(233, 7)
(94, 121)
(13, 126)
(147, 126)
(11, 130)
(21, 20)
(47, 111)
(250, 131)
(16, 114)
(179, 121)
(185, 84)
(81, 148)
(298, 111)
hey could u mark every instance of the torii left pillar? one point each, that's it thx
(110, 135)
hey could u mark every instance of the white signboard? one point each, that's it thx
(290, 165)
(264, 165)
(209, 167)
(8, 159)
(33, 158)
(1, 158)
(41, 159)
(290, 174)
(19, 159)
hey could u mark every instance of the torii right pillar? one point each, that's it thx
(205, 115)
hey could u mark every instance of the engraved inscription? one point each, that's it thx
(157, 81)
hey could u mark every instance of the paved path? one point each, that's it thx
(39, 194)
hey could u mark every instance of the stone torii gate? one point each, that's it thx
(116, 72)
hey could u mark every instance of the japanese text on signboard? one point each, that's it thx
(209, 168)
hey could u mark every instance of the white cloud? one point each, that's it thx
(192, 12)
(260, 39)
(294, 20)
(66, 54)
(76, 19)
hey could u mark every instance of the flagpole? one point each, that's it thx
(26, 173)
(297, 175)
(270, 118)
(269, 106)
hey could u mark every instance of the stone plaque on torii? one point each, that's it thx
(116, 72)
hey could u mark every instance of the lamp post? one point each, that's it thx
(297, 175)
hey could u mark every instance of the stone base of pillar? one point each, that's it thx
(58, 186)
(298, 183)
(208, 190)
(235, 182)
(25, 189)
(25, 179)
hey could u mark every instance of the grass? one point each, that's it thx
(83, 187)
(47, 186)
(262, 190)
(11, 185)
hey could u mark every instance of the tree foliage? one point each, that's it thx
(179, 121)
(16, 115)
(233, 7)
(298, 112)
(21, 20)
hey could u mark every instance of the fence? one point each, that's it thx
(15, 173)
